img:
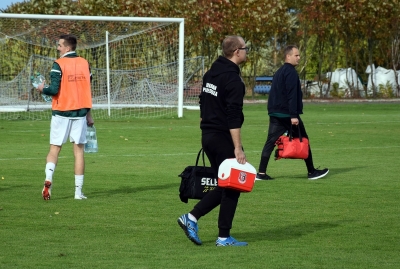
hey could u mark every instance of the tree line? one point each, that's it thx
(330, 34)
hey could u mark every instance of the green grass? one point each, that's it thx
(350, 219)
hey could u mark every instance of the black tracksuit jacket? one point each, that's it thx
(285, 96)
(221, 99)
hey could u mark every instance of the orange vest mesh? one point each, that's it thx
(74, 90)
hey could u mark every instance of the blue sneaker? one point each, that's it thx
(230, 241)
(190, 228)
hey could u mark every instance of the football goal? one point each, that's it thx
(137, 64)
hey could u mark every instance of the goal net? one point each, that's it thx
(137, 64)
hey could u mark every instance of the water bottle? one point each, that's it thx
(91, 140)
(38, 79)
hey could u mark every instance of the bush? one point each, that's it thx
(385, 91)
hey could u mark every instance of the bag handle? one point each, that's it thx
(198, 157)
(291, 135)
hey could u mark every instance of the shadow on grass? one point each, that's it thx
(18, 187)
(288, 232)
(332, 172)
(128, 190)
(5, 188)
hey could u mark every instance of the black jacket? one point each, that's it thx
(221, 99)
(285, 96)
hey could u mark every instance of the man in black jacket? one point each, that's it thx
(285, 104)
(221, 105)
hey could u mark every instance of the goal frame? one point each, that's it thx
(122, 19)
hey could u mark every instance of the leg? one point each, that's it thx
(229, 201)
(218, 147)
(227, 210)
(312, 172)
(214, 146)
(277, 127)
(59, 128)
(309, 161)
(79, 159)
(79, 170)
(228, 198)
(51, 162)
(52, 156)
(78, 137)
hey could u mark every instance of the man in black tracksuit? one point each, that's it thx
(221, 104)
(285, 104)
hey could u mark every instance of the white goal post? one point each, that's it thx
(137, 64)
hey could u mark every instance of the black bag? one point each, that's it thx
(196, 181)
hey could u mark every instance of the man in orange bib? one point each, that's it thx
(71, 103)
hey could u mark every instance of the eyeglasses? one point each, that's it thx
(247, 49)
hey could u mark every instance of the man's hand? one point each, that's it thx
(40, 87)
(89, 119)
(295, 121)
(240, 156)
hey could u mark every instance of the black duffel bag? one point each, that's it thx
(196, 180)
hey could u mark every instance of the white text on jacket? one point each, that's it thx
(210, 88)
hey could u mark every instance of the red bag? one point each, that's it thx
(291, 148)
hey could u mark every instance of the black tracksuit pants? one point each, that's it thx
(277, 127)
(218, 146)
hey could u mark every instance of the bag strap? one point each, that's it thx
(291, 135)
(198, 157)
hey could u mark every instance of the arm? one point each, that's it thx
(239, 153)
(234, 105)
(89, 118)
(55, 78)
(291, 86)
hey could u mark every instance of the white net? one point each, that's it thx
(137, 75)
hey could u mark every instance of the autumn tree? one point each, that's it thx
(329, 33)
(260, 23)
(392, 43)
(320, 16)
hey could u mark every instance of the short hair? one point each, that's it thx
(69, 40)
(288, 50)
(230, 44)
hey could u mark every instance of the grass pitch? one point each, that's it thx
(350, 219)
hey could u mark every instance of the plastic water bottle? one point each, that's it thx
(36, 81)
(91, 140)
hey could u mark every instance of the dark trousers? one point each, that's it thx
(218, 147)
(277, 127)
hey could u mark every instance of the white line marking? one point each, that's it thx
(191, 153)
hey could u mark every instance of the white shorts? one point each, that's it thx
(61, 128)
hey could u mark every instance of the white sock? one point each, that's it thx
(192, 218)
(78, 184)
(50, 167)
(222, 238)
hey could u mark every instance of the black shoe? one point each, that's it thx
(318, 174)
(263, 177)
